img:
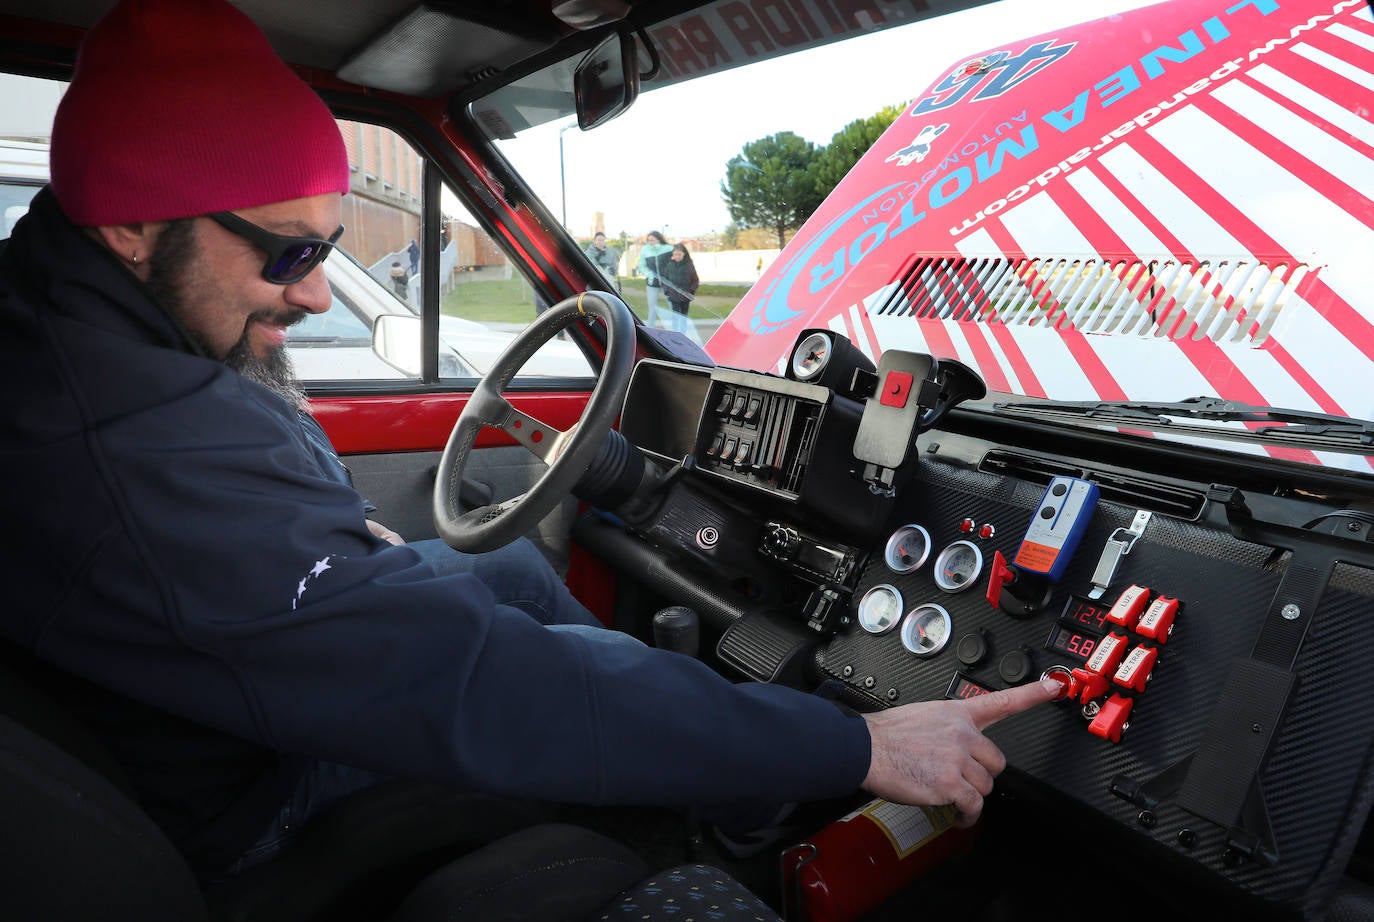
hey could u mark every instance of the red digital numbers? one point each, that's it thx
(969, 690)
(1088, 615)
(1074, 643)
(1081, 645)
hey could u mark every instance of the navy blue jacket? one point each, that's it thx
(174, 537)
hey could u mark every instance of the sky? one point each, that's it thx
(659, 166)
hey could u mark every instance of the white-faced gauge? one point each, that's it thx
(958, 566)
(880, 608)
(907, 549)
(811, 356)
(926, 630)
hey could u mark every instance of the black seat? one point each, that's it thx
(77, 846)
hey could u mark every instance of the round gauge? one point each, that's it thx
(958, 566)
(907, 549)
(880, 608)
(926, 630)
(811, 357)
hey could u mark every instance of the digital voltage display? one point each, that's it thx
(1077, 644)
(961, 687)
(1084, 613)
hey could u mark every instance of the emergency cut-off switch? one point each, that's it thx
(1112, 718)
(1016, 593)
(896, 389)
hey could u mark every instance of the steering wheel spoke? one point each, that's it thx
(543, 441)
(567, 454)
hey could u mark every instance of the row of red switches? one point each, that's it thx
(1155, 621)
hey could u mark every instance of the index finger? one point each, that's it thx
(986, 710)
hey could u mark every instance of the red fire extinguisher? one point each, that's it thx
(851, 866)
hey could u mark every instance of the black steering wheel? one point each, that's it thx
(568, 454)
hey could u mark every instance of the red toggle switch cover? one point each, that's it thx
(1134, 670)
(1126, 611)
(1084, 686)
(1108, 655)
(1001, 574)
(1158, 620)
(1111, 719)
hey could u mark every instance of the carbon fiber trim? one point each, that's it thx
(1312, 796)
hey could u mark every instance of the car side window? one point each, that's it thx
(375, 272)
(378, 272)
(485, 301)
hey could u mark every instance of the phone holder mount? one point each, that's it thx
(909, 393)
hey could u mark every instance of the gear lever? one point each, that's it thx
(677, 628)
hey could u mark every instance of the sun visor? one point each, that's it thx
(434, 50)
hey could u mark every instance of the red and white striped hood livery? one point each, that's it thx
(1171, 202)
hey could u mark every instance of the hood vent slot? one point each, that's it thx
(1136, 492)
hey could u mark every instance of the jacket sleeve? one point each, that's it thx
(270, 612)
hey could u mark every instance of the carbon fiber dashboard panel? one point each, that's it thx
(1312, 789)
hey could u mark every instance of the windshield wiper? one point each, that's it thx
(1297, 427)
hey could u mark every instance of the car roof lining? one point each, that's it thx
(427, 49)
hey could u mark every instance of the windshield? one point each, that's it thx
(1122, 203)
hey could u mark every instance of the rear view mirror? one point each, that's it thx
(606, 81)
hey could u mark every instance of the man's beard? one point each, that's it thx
(168, 278)
(277, 374)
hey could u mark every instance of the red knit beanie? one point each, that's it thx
(180, 108)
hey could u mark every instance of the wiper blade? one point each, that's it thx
(1296, 426)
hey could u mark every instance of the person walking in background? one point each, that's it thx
(651, 259)
(604, 258)
(413, 251)
(400, 279)
(679, 282)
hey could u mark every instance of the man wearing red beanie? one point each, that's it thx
(194, 549)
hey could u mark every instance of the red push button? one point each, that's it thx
(1134, 670)
(1111, 719)
(1158, 621)
(1126, 611)
(1108, 655)
(896, 389)
(966, 525)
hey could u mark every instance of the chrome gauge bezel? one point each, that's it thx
(865, 615)
(804, 371)
(915, 627)
(896, 540)
(943, 559)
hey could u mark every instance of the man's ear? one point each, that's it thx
(132, 243)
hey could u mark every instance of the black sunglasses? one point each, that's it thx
(289, 259)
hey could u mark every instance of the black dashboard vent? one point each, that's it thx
(794, 470)
(1137, 492)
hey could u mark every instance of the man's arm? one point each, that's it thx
(934, 752)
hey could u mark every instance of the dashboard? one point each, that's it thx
(1210, 616)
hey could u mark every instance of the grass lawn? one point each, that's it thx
(512, 301)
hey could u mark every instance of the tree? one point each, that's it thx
(849, 144)
(770, 184)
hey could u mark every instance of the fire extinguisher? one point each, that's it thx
(851, 866)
